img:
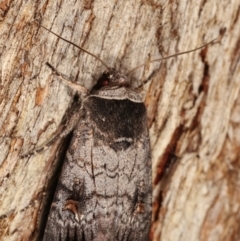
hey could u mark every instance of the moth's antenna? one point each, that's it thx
(84, 50)
(170, 56)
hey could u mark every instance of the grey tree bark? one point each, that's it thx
(193, 105)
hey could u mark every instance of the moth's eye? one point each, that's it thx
(104, 82)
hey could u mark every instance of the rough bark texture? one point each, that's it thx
(193, 105)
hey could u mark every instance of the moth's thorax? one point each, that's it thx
(117, 93)
(115, 85)
(116, 123)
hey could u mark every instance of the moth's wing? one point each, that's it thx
(122, 169)
(66, 220)
(134, 192)
(104, 192)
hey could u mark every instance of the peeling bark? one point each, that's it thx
(192, 100)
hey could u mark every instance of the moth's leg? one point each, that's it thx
(64, 130)
(79, 88)
(71, 119)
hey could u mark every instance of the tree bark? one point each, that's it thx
(192, 101)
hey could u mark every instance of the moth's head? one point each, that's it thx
(114, 79)
(111, 78)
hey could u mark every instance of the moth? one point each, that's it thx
(104, 191)
(105, 188)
